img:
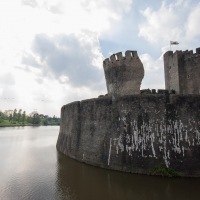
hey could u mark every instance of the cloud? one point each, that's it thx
(160, 26)
(173, 21)
(50, 49)
(154, 72)
(7, 79)
(192, 24)
(75, 59)
(32, 3)
(108, 7)
(7, 82)
(76, 15)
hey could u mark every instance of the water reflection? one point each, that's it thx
(28, 163)
(32, 169)
(81, 181)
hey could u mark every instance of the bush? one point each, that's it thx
(162, 170)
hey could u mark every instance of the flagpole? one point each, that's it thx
(170, 45)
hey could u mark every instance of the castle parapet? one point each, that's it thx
(183, 54)
(123, 74)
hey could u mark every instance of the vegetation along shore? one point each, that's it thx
(20, 118)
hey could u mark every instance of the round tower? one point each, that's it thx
(123, 74)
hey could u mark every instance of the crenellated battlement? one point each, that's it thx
(182, 71)
(118, 58)
(123, 74)
(185, 54)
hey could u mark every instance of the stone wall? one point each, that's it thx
(135, 133)
(182, 71)
(123, 74)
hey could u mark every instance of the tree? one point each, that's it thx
(1, 117)
(10, 118)
(14, 116)
(24, 117)
(19, 114)
(36, 119)
(45, 122)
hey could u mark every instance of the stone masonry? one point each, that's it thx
(182, 71)
(123, 74)
(136, 131)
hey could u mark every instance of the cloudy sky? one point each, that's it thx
(51, 51)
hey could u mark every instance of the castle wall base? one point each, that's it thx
(134, 133)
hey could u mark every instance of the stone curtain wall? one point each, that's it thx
(135, 133)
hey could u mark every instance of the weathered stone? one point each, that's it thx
(134, 133)
(123, 74)
(138, 132)
(182, 71)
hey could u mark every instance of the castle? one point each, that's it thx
(124, 74)
(135, 131)
(182, 71)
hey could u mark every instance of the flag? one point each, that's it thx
(174, 42)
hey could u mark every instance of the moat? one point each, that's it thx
(32, 168)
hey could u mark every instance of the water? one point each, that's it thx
(31, 168)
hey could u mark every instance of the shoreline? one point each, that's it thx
(18, 125)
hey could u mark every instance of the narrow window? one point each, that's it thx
(188, 76)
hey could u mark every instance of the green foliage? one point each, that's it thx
(162, 170)
(45, 122)
(19, 118)
(1, 117)
(35, 119)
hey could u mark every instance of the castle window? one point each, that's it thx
(188, 76)
(170, 67)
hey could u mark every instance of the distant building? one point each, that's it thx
(8, 112)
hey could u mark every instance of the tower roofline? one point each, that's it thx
(117, 57)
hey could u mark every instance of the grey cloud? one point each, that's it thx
(67, 55)
(29, 60)
(115, 6)
(55, 8)
(31, 3)
(39, 80)
(7, 79)
(25, 68)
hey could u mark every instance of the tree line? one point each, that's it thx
(19, 117)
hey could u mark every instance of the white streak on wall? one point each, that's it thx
(168, 154)
(117, 149)
(165, 155)
(186, 136)
(153, 150)
(109, 151)
(183, 149)
(174, 136)
(197, 136)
